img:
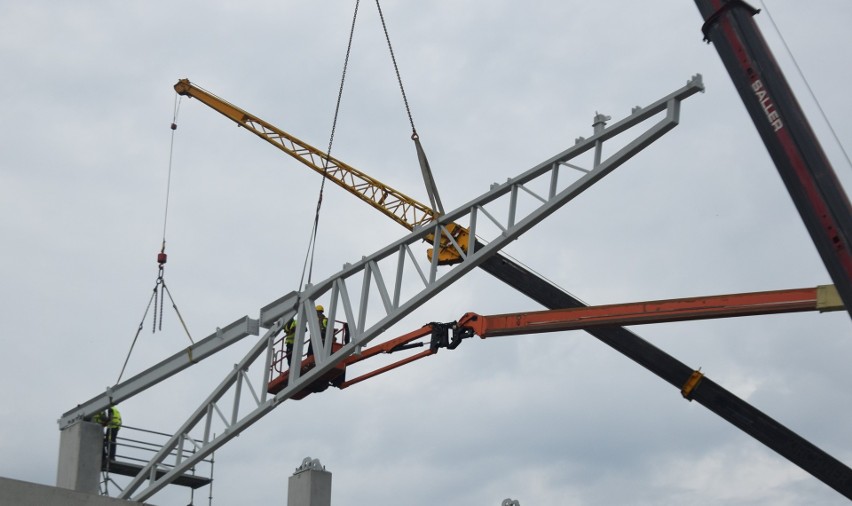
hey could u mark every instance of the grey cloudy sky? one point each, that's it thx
(495, 88)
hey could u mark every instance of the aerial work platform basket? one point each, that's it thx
(280, 367)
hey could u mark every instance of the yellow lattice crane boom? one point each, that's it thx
(403, 209)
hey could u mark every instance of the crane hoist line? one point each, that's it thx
(401, 208)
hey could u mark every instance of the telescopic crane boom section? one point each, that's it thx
(401, 208)
(779, 119)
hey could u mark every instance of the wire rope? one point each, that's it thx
(396, 69)
(158, 297)
(425, 169)
(171, 156)
(309, 255)
(552, 283)
(807, 84)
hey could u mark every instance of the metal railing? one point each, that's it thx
(134, 447)
(280, 364)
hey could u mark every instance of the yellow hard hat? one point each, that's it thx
(320, 308)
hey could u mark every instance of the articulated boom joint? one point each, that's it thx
(441, 335)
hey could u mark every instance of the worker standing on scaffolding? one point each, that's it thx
(110, 419)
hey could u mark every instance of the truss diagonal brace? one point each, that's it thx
(205, 411)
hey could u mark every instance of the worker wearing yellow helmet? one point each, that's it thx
(110, 419)
(289, 337)
(323, 321)
(290, 332)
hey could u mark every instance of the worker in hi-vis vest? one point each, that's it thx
(290, 333)
(110, 419)
(323, 321)
(289, 337)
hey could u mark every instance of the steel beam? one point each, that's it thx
(709, 394)
(208, 346)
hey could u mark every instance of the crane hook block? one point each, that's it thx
(161, 258)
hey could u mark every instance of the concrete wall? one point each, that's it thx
(310, 485)
(80, 453)
(23, 493)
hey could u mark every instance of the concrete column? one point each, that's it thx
(80, 452)
(310, 485)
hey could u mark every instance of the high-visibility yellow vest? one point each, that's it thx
(115, 420)
(290, 331)
(112, 419)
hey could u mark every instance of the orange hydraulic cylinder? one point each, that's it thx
(822, 298)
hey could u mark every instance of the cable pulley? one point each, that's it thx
(159, 288)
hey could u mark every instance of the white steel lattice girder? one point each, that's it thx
(395, 304)
(210, 345)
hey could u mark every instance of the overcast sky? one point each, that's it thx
(495, 87)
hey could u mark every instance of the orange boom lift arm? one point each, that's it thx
(450, 335)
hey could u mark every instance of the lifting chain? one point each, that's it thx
(425, 169)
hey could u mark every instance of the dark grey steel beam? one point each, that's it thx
(714, 397)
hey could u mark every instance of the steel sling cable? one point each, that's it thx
(309, 255)
(169, 177)
(396, 69)
(160, 289)
(808, 86)
(161, 257)
(138, 331)
(426, 170)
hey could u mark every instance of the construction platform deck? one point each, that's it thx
(128, 469)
